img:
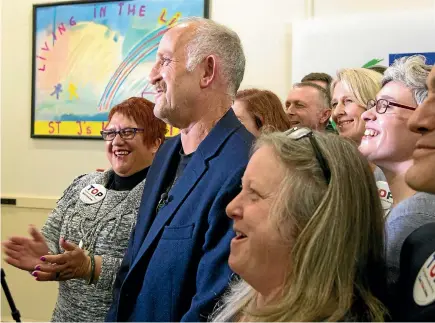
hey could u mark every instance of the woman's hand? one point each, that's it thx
(25, 253)
(73, 263)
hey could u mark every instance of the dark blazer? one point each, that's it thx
(415, 297)
(176, 265)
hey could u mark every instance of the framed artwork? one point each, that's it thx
(90, 55)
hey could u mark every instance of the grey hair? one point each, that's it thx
(412, 71)
(324, 94)
(210, 38)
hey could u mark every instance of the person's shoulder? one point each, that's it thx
(169, 141)
(416, 293)
(166, 147)
(239, 135)
(420, 202)
(88, 178)
(243, 137)
(76, 183)
(237, 147)
(413, 212)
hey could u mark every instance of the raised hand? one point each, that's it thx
(25, 253)
(73, 263)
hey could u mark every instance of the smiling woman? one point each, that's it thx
(132, 136)
(291, 267)
(85, 237)
(388, 143)
(350, 93)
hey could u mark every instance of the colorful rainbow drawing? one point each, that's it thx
(138, 53)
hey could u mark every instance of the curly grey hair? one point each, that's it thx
(412, 71)
(211, 37)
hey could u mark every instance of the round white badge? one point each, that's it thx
(385, 195)
(92, 193)
(424, 286)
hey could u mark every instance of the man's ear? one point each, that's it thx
(325, 115)
(208, 72)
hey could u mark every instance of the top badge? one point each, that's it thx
(424, 286)
(93, 193)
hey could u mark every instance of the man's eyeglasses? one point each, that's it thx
(383, 104)
(126, 133)
(297, 133)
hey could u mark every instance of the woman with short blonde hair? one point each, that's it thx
(350, 92)
(309, 237)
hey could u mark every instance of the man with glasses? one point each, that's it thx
(176, 266)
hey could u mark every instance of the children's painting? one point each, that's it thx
(89, 56)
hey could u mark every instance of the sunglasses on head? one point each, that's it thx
(298, 133)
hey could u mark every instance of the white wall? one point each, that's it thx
(43, 168)
(264, 27)
(359, 42)
(32, 167)
(343, 8)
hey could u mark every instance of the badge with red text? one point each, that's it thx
(92, 193)
(424, 286)
(385, 196)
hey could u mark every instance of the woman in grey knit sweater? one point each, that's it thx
(389, 144)
(84, 239)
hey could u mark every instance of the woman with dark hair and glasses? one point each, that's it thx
(309, 237)
(388, 143)
(84, 239)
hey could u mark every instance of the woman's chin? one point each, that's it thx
(121, 170)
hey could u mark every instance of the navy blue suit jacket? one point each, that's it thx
(176, 264)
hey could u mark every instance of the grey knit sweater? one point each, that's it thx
(404, 218)
(105, 227)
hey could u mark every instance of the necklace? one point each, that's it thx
(86, 214)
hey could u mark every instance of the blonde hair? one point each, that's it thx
(338, 236)
(363, 83)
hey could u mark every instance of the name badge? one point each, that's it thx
(385, 195)
(424, 286)
(92, 193)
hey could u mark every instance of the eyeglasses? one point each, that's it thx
(297, 133)
(126, 133)
(383, 104)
